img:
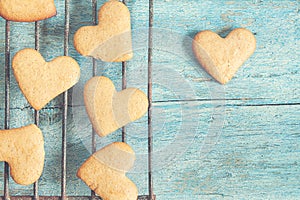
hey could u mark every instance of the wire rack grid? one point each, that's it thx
(64, 105)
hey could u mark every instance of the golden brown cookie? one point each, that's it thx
(110, 40)
(27, 10)
(222, 57)
(108, 109)
(23, 149)
(104, 172)
(41, 81)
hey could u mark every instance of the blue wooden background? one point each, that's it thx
(238, 141)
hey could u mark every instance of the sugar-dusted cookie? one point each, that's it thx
(27, 10)
(104, 172)
(110, 40)
(108, 109)
(222, 57)
(41, 81)
(23, 149)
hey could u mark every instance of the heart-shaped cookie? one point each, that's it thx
(108, 109)
(27, 10)
(105, 172)
(222, 57)
(41, 81)
(110, 40)
(23, 149)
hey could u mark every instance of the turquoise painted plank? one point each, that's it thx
(269, 76)
(254, 153)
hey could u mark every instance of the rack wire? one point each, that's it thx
(94, 147)
(64, 195)
(7, 102)
(150, 136)
(124, 84)
(36, 112)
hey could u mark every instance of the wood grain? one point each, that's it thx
(240, 141)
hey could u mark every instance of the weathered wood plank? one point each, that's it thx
(257, 151)
(257, 156)
(271, 75)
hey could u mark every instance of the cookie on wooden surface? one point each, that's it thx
(23, 149)
(108, 109)
(110, 40)
(41, 81)
(27, 10)
(222, 57)
(104, 172)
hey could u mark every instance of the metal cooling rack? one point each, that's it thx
(64, 195)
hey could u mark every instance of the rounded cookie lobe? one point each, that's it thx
(27, 10)
(118, 156)
(246, 47)
(98, 95)
(210, 51)
(108, 109)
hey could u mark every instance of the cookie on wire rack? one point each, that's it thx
(27, 10)
(110, 40)
(104, 172)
